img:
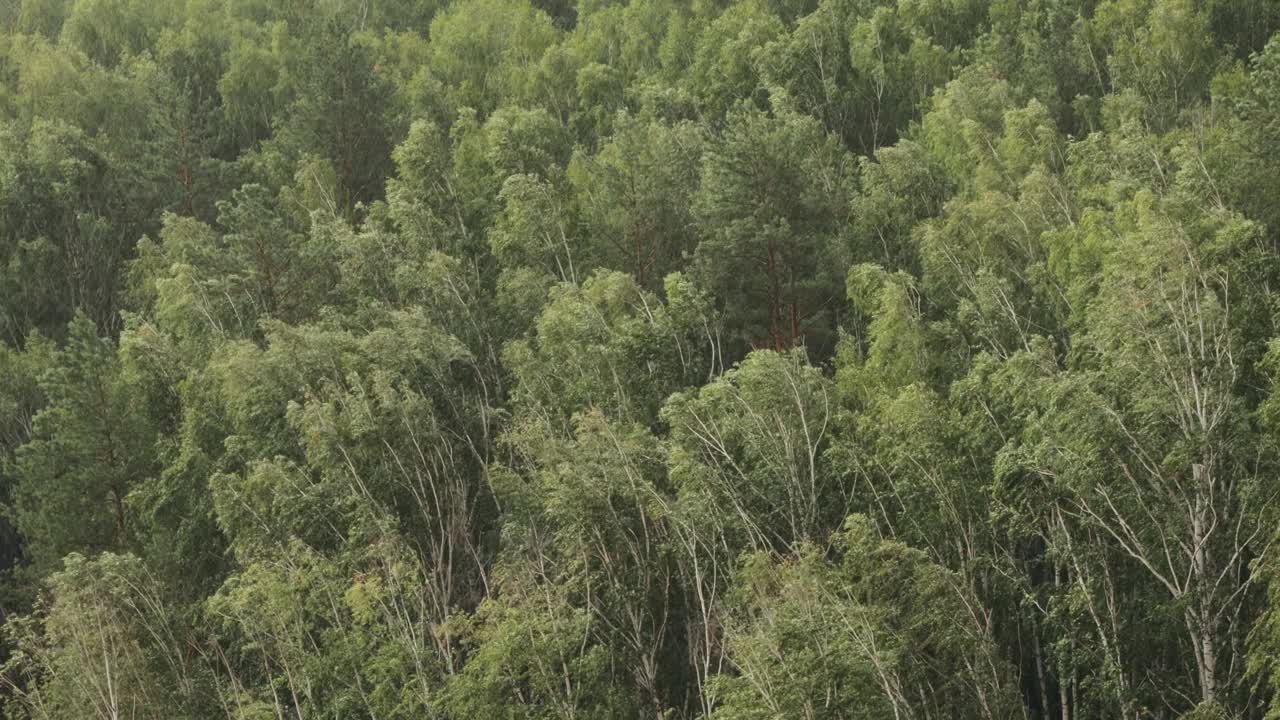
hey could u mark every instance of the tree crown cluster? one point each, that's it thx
(676, 359)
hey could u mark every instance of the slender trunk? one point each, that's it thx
(1064, 690)
(1041, 684)
(775, 302)
(117, 502)
(795, 321)
(1200, 618)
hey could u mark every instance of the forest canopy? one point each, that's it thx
(609, 359)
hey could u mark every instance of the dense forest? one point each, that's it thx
(606, 360)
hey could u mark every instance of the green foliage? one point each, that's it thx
(105, 643)
(747, 359)
(89, 445)
(747, 453)
(612, 346)
(772, 208)
(858, 636)
(485, 52)
(636, 193)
